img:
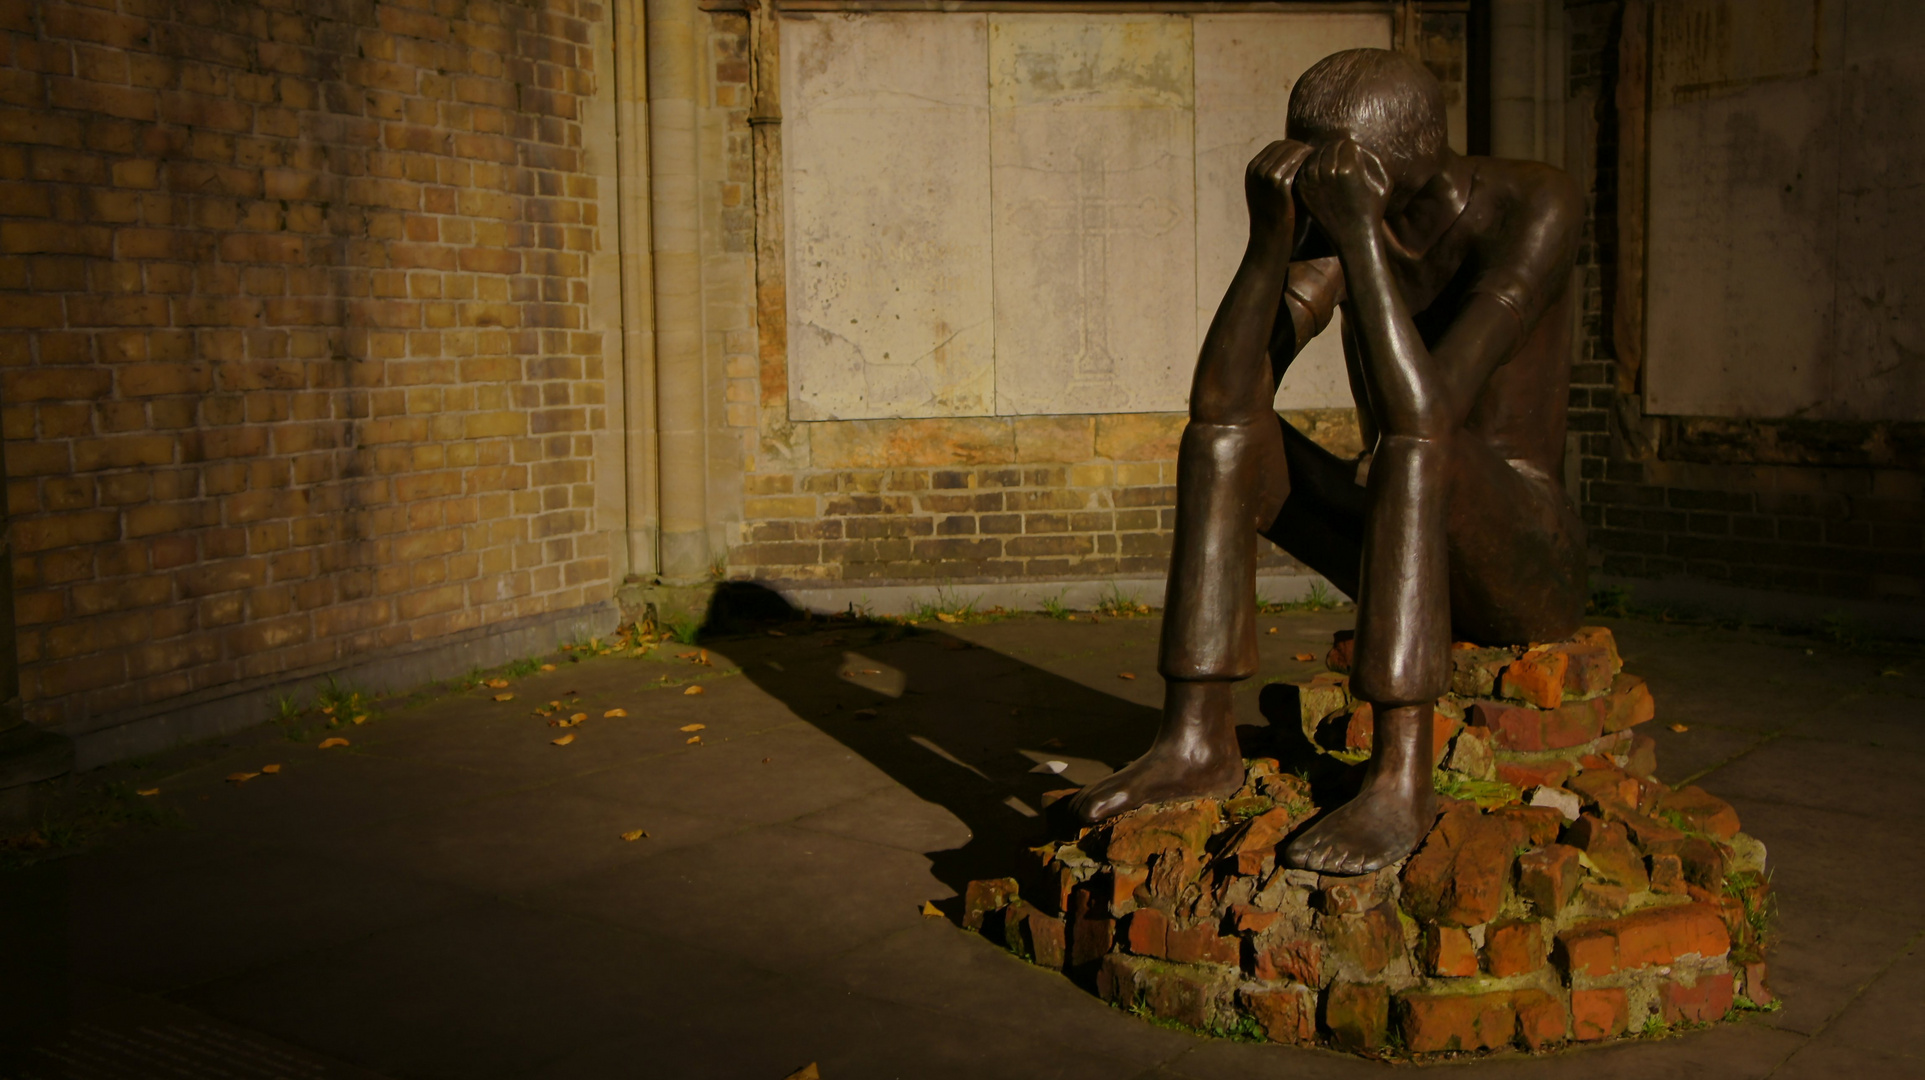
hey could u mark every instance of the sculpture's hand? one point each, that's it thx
(1346, 189)
(1266, 185)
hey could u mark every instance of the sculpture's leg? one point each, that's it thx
(1402, 665)
(1209, 621)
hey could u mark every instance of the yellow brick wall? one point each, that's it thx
(293, 329)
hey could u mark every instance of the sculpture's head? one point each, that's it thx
(1385, 101)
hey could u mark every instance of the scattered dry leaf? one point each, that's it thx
(943, 616)
(241, 777)
(1272, 630)
(689, 655)
(693, 690)
(1306, 656)
(704, 658)
(329, 710)
(635, 834)
(1053, 743)
(328, 744)
(865, 714)
(156, 791)
(564, 740)
(548, 667)
(361, 719)
(498, 683)
(693, 740)
(578, 718)
(694, 727)
(1126, 674)
(777, 633)
(765, 761)
(270, 769)
(806, 1072)
(614, 712)
(929, 908)
(1070, 618)
(504, 697)
(1680, 727)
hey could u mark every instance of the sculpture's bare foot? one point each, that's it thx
(1195, 756)
(1389, 817)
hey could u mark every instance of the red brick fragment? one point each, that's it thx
(1046, 938)
(1146, 932)
(1133, 839)
(1245, 919)
(1435, 1022)
(1370, 940)
(1755, 987)
(1515, 948)
(1543, 1018)
(1536, 677)
(1602, 638)
(1091, 931)
(1525, 775)
(1254, 850)
(1287, 1014)
(1449, 952)
(1643, 756)
(1201, 945)
(1598, 1014)
(1357, 1014)
(1534, 826)
(982, 897)
(1652, 936)
(1628, 704)
(1122, 883)
(1667, 874)
(1287, 959)
(1705, 1003)
(1172, 872)
(1701, 811)
(1458, 875)
(1346, 895)
(1343, 652)
(1589, 670)
(1704, 861)
(1608, 846)
(1549, 877)
(1602, 896)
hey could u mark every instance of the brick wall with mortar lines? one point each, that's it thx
(1835, 509)
(295, 358)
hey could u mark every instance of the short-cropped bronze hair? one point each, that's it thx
(1392, 103)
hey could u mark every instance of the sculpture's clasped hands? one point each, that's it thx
(1346, 189)
(1266, 186)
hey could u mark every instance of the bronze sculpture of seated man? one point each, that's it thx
(1454, 277)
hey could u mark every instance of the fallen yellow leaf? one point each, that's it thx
(554, 704)
(705, 657)
(1126, 675)
(241, 777)
(1306, 656)
(329, 710)
(694, 727)
(693, 740)
(578, 718)
(1272, 630)
(548, 667)
(929, 908)
(691, 691)
(361, 719)
(564, 740)
(1680, 727)
(498, 683)
(504, 697)
(689, 655)
(942, 616)
(270, 769)
(635, 834)
(806, 1072)
(327, 744)
(614, 712)
(777, 633)
(148, 791)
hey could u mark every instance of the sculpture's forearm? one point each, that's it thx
(1405, 392)
(1233, 380)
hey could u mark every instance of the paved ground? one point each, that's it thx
(450, 895)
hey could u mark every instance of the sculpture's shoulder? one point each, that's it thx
(1529, 200)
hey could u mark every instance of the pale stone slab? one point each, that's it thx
(1246, 65)
(887, 151)
(1092, 151)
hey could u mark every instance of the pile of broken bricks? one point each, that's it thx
(1564, 894)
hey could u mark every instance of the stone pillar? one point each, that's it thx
(673, 88)
(1527, 80)
(641, 458)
